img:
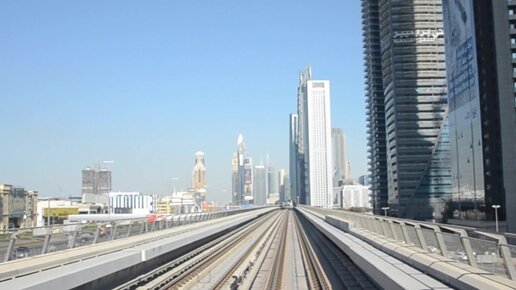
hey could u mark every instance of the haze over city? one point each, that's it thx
(148, 85)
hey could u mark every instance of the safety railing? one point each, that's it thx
(487, 251)
(28, 242)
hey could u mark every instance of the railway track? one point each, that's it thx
(272, 252)
(316, 277)
(180, 272)
(340, 271)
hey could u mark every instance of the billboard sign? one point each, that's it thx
(463, 100)
(248, 176)
(60, 212)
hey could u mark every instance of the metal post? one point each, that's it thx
(73, 237)
(10, 248)
(420, 237)
(506, 256)
(387, 231)
(394, 232)
(385, 209)
(97, 233)
(439, 238)
(130, 228)
(496, 207)
(46, 242)
(113, 232)
(144, 227)
(404, 231)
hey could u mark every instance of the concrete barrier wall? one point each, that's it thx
(385, 271)
(120, 262)
(453, 273)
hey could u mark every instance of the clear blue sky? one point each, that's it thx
(149, 83)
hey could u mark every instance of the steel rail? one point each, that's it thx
(316, 276)
(275, 277)
(247, 256)
(168, 274)
(253, 278)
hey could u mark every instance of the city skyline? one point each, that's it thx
(102, 86)
(146, 144)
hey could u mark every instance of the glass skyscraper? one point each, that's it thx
(260, 185)
(481, 108)
(407, 107)
(375, 107)
(293, 157)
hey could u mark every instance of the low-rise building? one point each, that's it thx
(166, 206)
(132, 203)
(17, 207)
(356, 196)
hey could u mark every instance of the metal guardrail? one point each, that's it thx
(487, 251)
(29, 242)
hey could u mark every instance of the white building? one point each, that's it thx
(131, 203)
(317, 139)
(356, 195)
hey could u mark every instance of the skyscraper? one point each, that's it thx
(407, 106)
(375, 105)
(104, 181)
(242, 174)
(248, 181)
(199, 175)
(512, 32)
(281, 185)
(96, 185)
(339, 157)
(317, 143)
(260, 185)
(301, 176)
(481, 108)
(272, 181)
(287, 194)
(234, 179)
(315, 138)
(293, 156)
(89, 184)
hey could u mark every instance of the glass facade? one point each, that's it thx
(407, 107)
(464, 108)
(482, 116)
(375, 107)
